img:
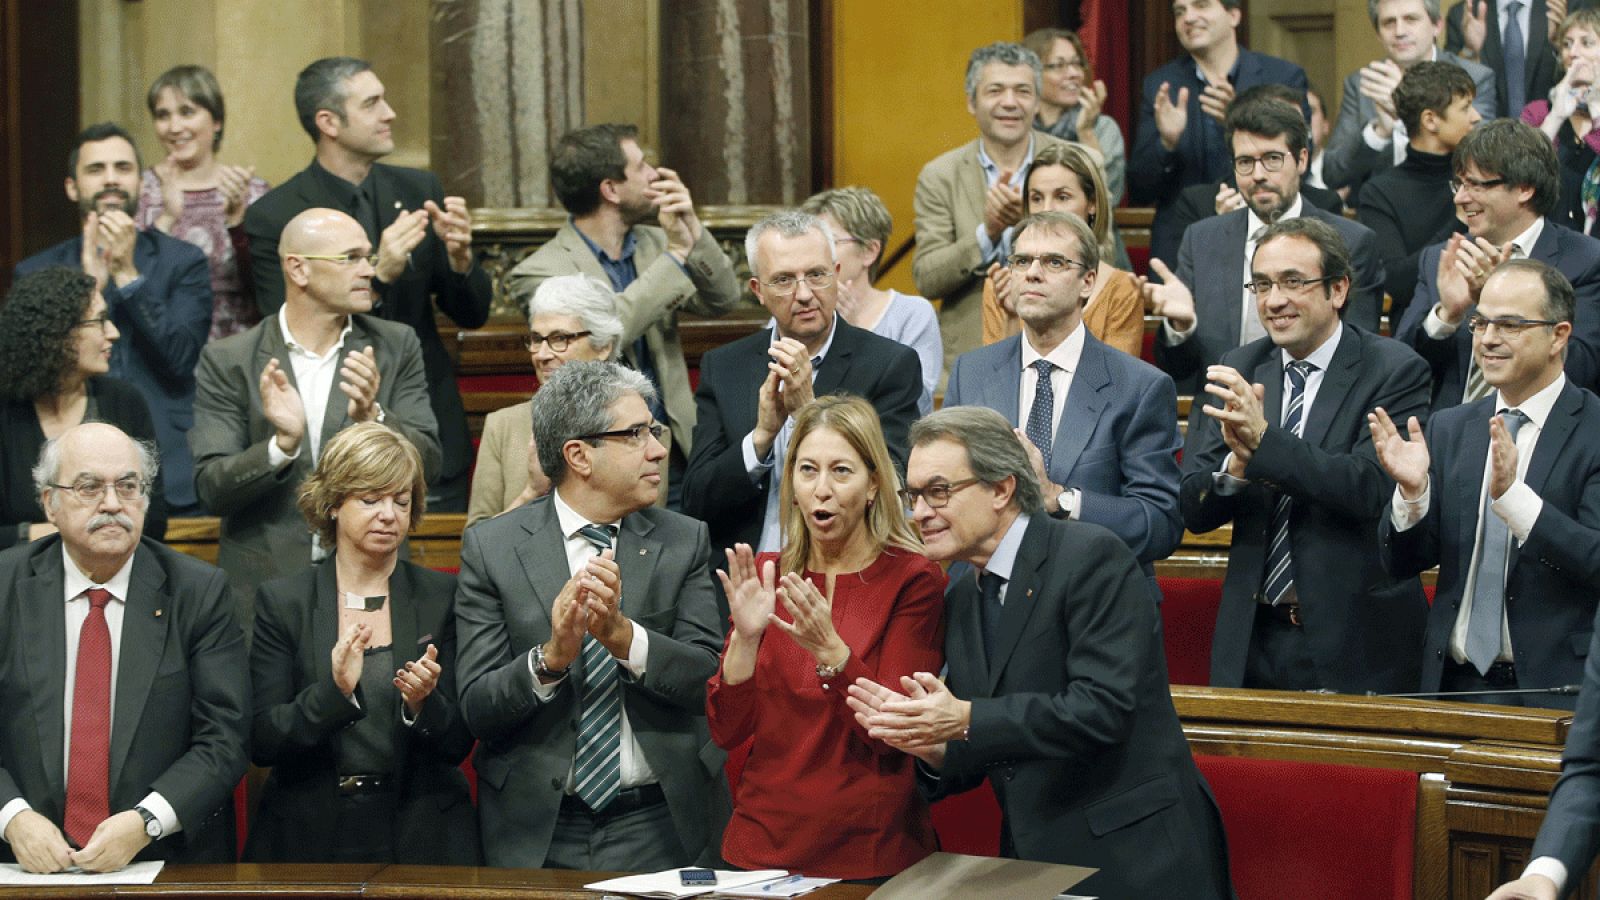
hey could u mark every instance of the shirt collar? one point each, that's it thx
(1524, 242)
(1065, 355)
(1538, 407)
(77, 582)
(1253, 222)
(628, 242)
(827, 345)
(1004, 558)
(1322, 357)
(570, 519)
(1233, 72)
(297, 347)
(992, 169)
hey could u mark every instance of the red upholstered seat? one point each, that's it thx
(1188, 617)
(1298, 829)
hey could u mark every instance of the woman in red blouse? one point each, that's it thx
(856, 598)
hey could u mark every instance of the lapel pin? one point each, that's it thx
(643, 551)
(1028, 594)
(397, 205)
(158, 613)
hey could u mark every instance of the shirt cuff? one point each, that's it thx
(1172, 337)
(1437, 328)
(9, 812)
(1405, 514)
(276, 458)
(1224, 484)
(405, 715)
(1519, 507)
(638, 651)
(986, 247)
(755, 468)
(1369, 134)
(164, 813)
(1077, 504)
(543, 692)
(1551, 868)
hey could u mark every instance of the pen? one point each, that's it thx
(782, 882)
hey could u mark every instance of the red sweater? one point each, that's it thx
(817, 795)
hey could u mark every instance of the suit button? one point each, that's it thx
(555, 783)
(1438, 654)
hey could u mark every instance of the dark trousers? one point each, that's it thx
(624, 837)
(1465, 677)
(1280, 654)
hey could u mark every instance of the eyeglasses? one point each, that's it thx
(634, 436)
(784, 285)
(558, 340)
(347, 259)
(1510, 326)
(1289, 284)
(1272, 162)
(1476, 185)
(936, 495)
(1054, 263)
(90, 490)
(98, 321)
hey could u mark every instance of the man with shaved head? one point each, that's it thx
(123, 695)
(270, 397)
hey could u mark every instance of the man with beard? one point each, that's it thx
(157, 291)
(1207, 308)
(600, 175)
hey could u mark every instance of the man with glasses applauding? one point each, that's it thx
(740, 439)
(1281, 450)
(1507, 180)
(1097, 423)
(270, 397)
(1206, 312)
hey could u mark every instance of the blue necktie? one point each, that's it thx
(1489, 589)
(1513, 56)
(1279, 584)
(597, 764)
(1040, 414)
(989, 585)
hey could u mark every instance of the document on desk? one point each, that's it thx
(669, 886)
(787, 886)
(956, 875)
(12, 875)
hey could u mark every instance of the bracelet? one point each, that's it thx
(827, 673)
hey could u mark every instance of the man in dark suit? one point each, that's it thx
(586, 645)
(423, 239)
(1057, 686)
(1207, 309)
(107, 756)
(1479, 30)
(157, 291)
(1100, 424)
(271, 396)
(1282, 451)
(1507, 182)
(1501, 497)
(750, 389)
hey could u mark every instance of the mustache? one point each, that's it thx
(117, 192)
(103, 520)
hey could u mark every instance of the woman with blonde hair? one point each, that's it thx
(856, 599)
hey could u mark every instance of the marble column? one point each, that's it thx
(736, 99)
(507, 83)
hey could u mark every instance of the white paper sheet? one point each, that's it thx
(12, 874)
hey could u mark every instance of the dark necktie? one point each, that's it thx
(1514, 57)
(1043, 409)
(89, 762)
(1489, 589)
(597, 764)
(989, 585)
(1279, 583)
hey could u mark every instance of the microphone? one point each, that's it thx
(1565, 690)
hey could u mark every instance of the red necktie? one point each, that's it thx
(89, 766)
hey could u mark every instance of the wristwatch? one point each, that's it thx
(152, 825)
(543, 671)
(1067, 500)
(377, 412)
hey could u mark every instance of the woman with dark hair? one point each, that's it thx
(55, 351)
(192, 196)
(353, 672)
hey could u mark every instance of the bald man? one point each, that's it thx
(270, 397)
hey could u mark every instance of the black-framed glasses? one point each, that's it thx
(559, 341)
(1054, 263)
(936, 495)
(1511, 326)
(90, 490)
(1476, 184)
(784, 285)
(634, 436)
(1271, 161)
(99, 322)
(343, 259)
(1289, 284)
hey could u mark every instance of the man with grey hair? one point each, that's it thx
(610, 191)
(750, 389)
(587, 630)
(423, 239)
(96, 618)
(968, 197)
(1057, 684)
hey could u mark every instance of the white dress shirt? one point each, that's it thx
(1065, 357)
(771, 468)
(1321, 358)
(314, 377)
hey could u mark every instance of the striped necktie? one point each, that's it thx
(597, 764)
(1279, 584)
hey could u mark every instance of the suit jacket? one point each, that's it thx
(705, 285)
(1541, 63)
(1349, 161)
(1575, 255)
(1117, 442)
(464, 298)
(512, 568)
(947, 263)
(716, 487)
(263, 534)
(1211, 262)
(300, 713)
(1199, 201)
(182, 695)
(1073, 724)
(1570, 831)
(1550, 598)
(165, 318)
(1364, 626)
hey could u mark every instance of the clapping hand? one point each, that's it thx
(1406, 460)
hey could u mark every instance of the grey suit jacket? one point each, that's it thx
(182, 695)
(650, 305)
(512, 568)
(1348, 160)
(263, 534)
(1211, 263)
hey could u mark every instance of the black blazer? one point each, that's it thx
(1540, 66)
(1199, 201)
(21, 439)
(1073, 722)
(1364, 626)
(428, 279)
(716, 488)
(299, 714)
